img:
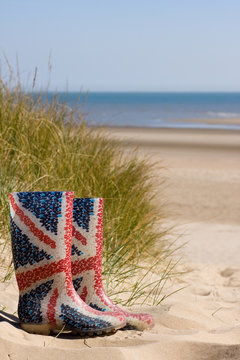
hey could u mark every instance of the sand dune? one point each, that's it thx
(200, 322)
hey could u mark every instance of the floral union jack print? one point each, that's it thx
(41, 233)
(87, 261)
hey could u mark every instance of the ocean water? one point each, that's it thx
(173, 110)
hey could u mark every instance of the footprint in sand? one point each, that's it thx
(232, 277)
(227, 272)
(202, 291)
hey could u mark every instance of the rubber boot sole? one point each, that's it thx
(48, 329)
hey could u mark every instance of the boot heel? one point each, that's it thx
(43, 329)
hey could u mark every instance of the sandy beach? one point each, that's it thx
(202, 321)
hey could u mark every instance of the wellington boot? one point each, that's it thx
(41, 232)
(87, 261)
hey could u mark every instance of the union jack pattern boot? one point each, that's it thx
(41, 233)
(87, 261)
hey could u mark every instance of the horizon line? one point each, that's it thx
(137, 91)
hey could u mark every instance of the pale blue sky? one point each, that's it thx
(170, 45)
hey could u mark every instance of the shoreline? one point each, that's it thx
(141, 129)
(177, 124)
(169, 140)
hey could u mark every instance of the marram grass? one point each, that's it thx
(42, 148)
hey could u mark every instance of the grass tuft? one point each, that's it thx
(44, 148)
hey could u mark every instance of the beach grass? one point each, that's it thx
(44, 147)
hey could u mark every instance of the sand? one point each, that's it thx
(202, 321)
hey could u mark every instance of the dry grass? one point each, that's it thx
(43, 148)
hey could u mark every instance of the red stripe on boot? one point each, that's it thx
(68, 241)
(51, 311)
(26, 279)
(98, 261)
(84, 294)
(79, 266)
(79, 236)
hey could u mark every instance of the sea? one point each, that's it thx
(156, 109)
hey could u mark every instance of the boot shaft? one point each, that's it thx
(87, 243)
(41, 229)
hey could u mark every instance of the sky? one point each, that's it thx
(127, 45)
